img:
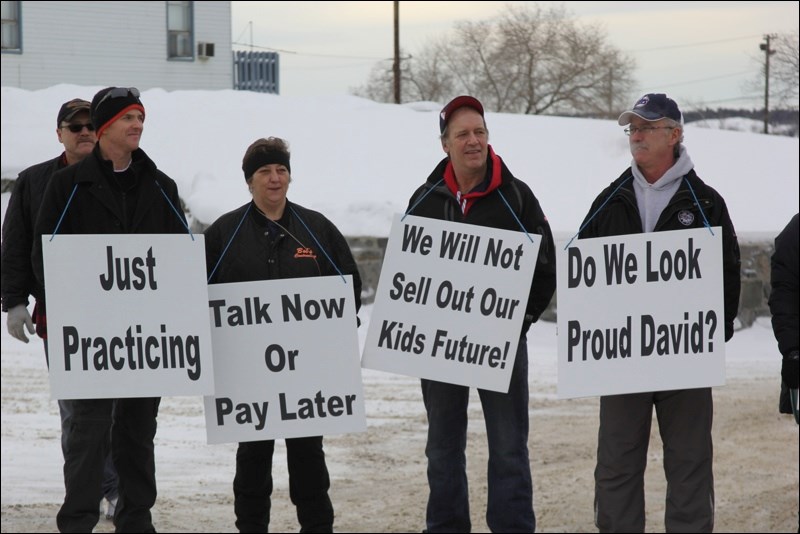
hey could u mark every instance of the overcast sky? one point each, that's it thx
(701, 52)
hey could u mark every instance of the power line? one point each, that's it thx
(734, 99)
(689, 45)
(294, 52)
(706, 79)
(244, 30)
(331, 67)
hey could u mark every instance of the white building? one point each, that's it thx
(167, 44)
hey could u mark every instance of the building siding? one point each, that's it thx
(116, 43)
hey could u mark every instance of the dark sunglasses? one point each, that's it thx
(78, 128)
(119, 92)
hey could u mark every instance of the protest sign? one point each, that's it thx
(641, 312)
(286, 354)
(126, 316)
(450, 302)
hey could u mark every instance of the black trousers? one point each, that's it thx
(131, 424)
(308, 485)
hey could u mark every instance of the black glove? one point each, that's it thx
(790, 371)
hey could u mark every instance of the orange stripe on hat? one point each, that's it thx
(118, 115)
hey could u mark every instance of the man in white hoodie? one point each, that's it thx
(660, 191)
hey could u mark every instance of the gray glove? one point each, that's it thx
(18, 319)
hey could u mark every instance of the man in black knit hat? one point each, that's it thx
(117, 189)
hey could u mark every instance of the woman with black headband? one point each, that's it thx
(272, 238)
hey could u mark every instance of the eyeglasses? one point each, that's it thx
(78, 128)
(645, 129)
(119, 92)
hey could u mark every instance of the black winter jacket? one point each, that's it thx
(784, 299)
(263, 250)
(621, 216)
(18, 280)
(98, 206)
(491, 211)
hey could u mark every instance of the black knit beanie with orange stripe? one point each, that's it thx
(105, 111)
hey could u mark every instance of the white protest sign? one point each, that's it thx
(641, 312)
(450, 302)
(286, 360)
(126, 315)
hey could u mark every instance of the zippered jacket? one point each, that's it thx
(784, 297)
(18, 280)
(89, 202)
(490, 209)
(243, 246)
(620, 216)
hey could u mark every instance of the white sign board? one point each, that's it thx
(450, 302)
(126, 315)
(286, 360)
(641, 312)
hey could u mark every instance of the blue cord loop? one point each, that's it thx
(64, 212)
(229, 242)
(430, 189)
(314, 237)
(515, 215)
(177, 213)
(434, 186)
(697, 202)
(74, 189)
(685, 179)
(317, 242)
(597, 211)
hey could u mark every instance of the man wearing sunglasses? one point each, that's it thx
(18, 281)
(75, 131)
(116, 189)
(660, 191)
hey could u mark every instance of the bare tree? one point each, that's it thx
(425, 76)
(379, 84)
(428, 79)
(785, 70)
(529, 59)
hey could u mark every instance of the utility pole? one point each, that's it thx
(767, 52)
(396, 66)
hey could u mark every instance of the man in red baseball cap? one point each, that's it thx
(472, 185)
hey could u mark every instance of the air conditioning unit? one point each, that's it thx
(205, 50)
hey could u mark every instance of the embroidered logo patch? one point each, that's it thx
(305, 252)
(685, 217)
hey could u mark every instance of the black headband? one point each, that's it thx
(264, 157)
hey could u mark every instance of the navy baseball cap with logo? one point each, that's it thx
(457, 103)
(652, 107)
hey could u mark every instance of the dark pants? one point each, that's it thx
(510, 499)
(131, 423)
(110, 478)
(308, 485)
(684, 422)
